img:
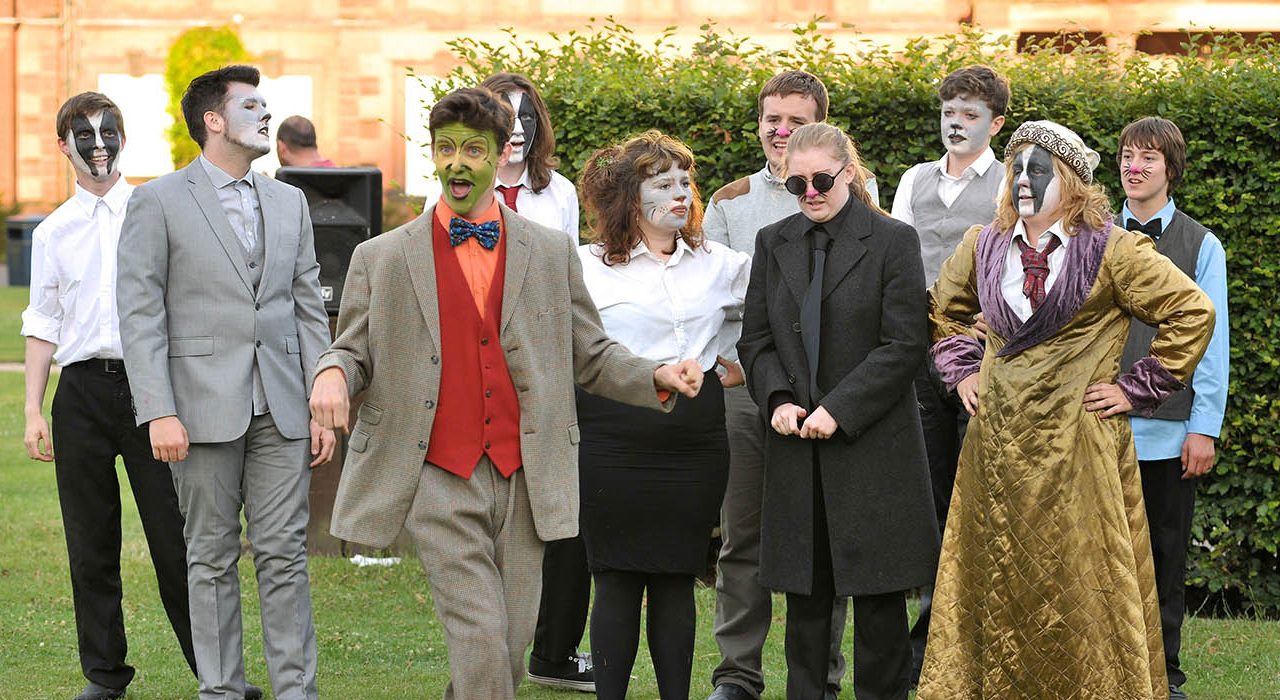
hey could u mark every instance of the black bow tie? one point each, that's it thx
(1151, 228)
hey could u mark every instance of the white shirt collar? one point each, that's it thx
(770, 178)
(642, 250)
(978, 168)
(522, 182)
(116, 198)
(1020, 231)
(221, 178)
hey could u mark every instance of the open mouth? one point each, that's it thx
(957, 138)
(459, 189)
(263, 130)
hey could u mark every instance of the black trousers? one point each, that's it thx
(944, 419)
(881, 648)
(566, 596)
(1170, 502)
(92, 424)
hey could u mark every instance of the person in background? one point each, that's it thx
(296, 144)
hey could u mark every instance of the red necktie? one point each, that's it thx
(509, 195)
(1035, 265)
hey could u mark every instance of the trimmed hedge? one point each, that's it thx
(601, 84)
(194, 52)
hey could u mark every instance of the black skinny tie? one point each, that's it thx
(811, 309)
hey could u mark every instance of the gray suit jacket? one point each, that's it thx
(190, 321)
(388, 344)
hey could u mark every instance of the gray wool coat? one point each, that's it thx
(875, 476)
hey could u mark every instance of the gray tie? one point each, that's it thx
(811, 309)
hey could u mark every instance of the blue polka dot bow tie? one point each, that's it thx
(486, 234)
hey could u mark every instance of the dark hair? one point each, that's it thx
(980, 83)
(208, 93)
(540, 159)
(610, 184)
(478, 108)
(297, 132)
(1161, 135)
(83, 105)
(795, 82)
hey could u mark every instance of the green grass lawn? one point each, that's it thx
(12, 301)
(378, 637)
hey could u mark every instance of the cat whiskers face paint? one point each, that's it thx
(94, 142)
(664, 199)
(1143, 174)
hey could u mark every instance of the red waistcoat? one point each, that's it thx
(477, 411)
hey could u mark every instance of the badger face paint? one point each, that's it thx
(94, 142)
(525, 128)
(966, 125)
(1143, 174)
(1038, 187)
(664, 199)
(247, 118)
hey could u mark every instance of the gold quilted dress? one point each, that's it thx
(1045, 587)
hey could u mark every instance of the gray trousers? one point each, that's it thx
(268, 475)
(744, 610)
(477, 543)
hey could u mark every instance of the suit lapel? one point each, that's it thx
(202, 190)
(793, 256)
(419, 257)
(517, 232)
(846, 246)
(272, 225)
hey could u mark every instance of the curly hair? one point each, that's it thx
(541, 158)
(610, 185)
(1083, 204)
(476, 108)
(977, 82)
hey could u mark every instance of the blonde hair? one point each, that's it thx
(1083, 205)
(820, 135)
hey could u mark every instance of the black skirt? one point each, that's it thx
(652, 482)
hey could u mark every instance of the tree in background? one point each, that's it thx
(196, 51)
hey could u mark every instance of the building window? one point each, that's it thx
(1175, 42)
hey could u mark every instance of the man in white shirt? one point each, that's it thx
(942, 199)
(72, 321)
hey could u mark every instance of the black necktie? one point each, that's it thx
(1151, 228)
(811, 309)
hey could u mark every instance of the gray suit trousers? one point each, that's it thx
(744, 610)
(268, 475)
(477, 543)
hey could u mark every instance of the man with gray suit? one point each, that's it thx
(467, 329)
(221, 321)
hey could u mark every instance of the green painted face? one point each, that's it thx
(466, 162)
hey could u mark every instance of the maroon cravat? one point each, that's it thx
(1035, 265)
(509, 195)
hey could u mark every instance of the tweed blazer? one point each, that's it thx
(388, 345)
(193, 326)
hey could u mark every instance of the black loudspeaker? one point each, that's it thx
(346, 209)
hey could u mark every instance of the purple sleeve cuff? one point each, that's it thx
(1147, 384)
(957, 357)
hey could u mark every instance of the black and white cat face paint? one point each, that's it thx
(94, 144)
(966, 125)
(1039, 188)
(664, 199)
(247, 118)
(525, 128)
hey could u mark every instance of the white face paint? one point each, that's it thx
(525, 127)
(1039, 187)
(665, 197)
(966, 125)
(94, 144)
(247, 118)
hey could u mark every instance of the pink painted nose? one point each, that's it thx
(784, 132)
(1134, 170)
(811, 192)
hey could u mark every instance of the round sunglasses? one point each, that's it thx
(822, 182)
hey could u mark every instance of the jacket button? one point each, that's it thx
(429, 403)
(258, 343)
(257, 307)
(435, 359)
(487, 420)
(487, 393)
(422, 444)
(486, 444)
(796, 326)
(484, 341)
(791, 379)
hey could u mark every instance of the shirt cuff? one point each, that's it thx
(957, 357)
(38, 325)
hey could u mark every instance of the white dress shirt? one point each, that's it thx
(949, 188)
(555, 206)
(673, 310)
(73, 276)
(1011, 282)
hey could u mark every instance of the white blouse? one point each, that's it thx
(1011, 281)
(667, 311)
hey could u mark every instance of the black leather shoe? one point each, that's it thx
(252, 692)
(832, 693)
(93, 691)
(730, 691)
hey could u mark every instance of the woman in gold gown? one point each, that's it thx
(1045, 587)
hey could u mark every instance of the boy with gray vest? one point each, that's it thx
(1176, 443)
(942, 199)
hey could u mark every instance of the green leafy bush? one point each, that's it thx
(195, 51)
(602, 84)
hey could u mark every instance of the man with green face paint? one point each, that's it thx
(467, 330)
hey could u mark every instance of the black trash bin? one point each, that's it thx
(21, 230)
